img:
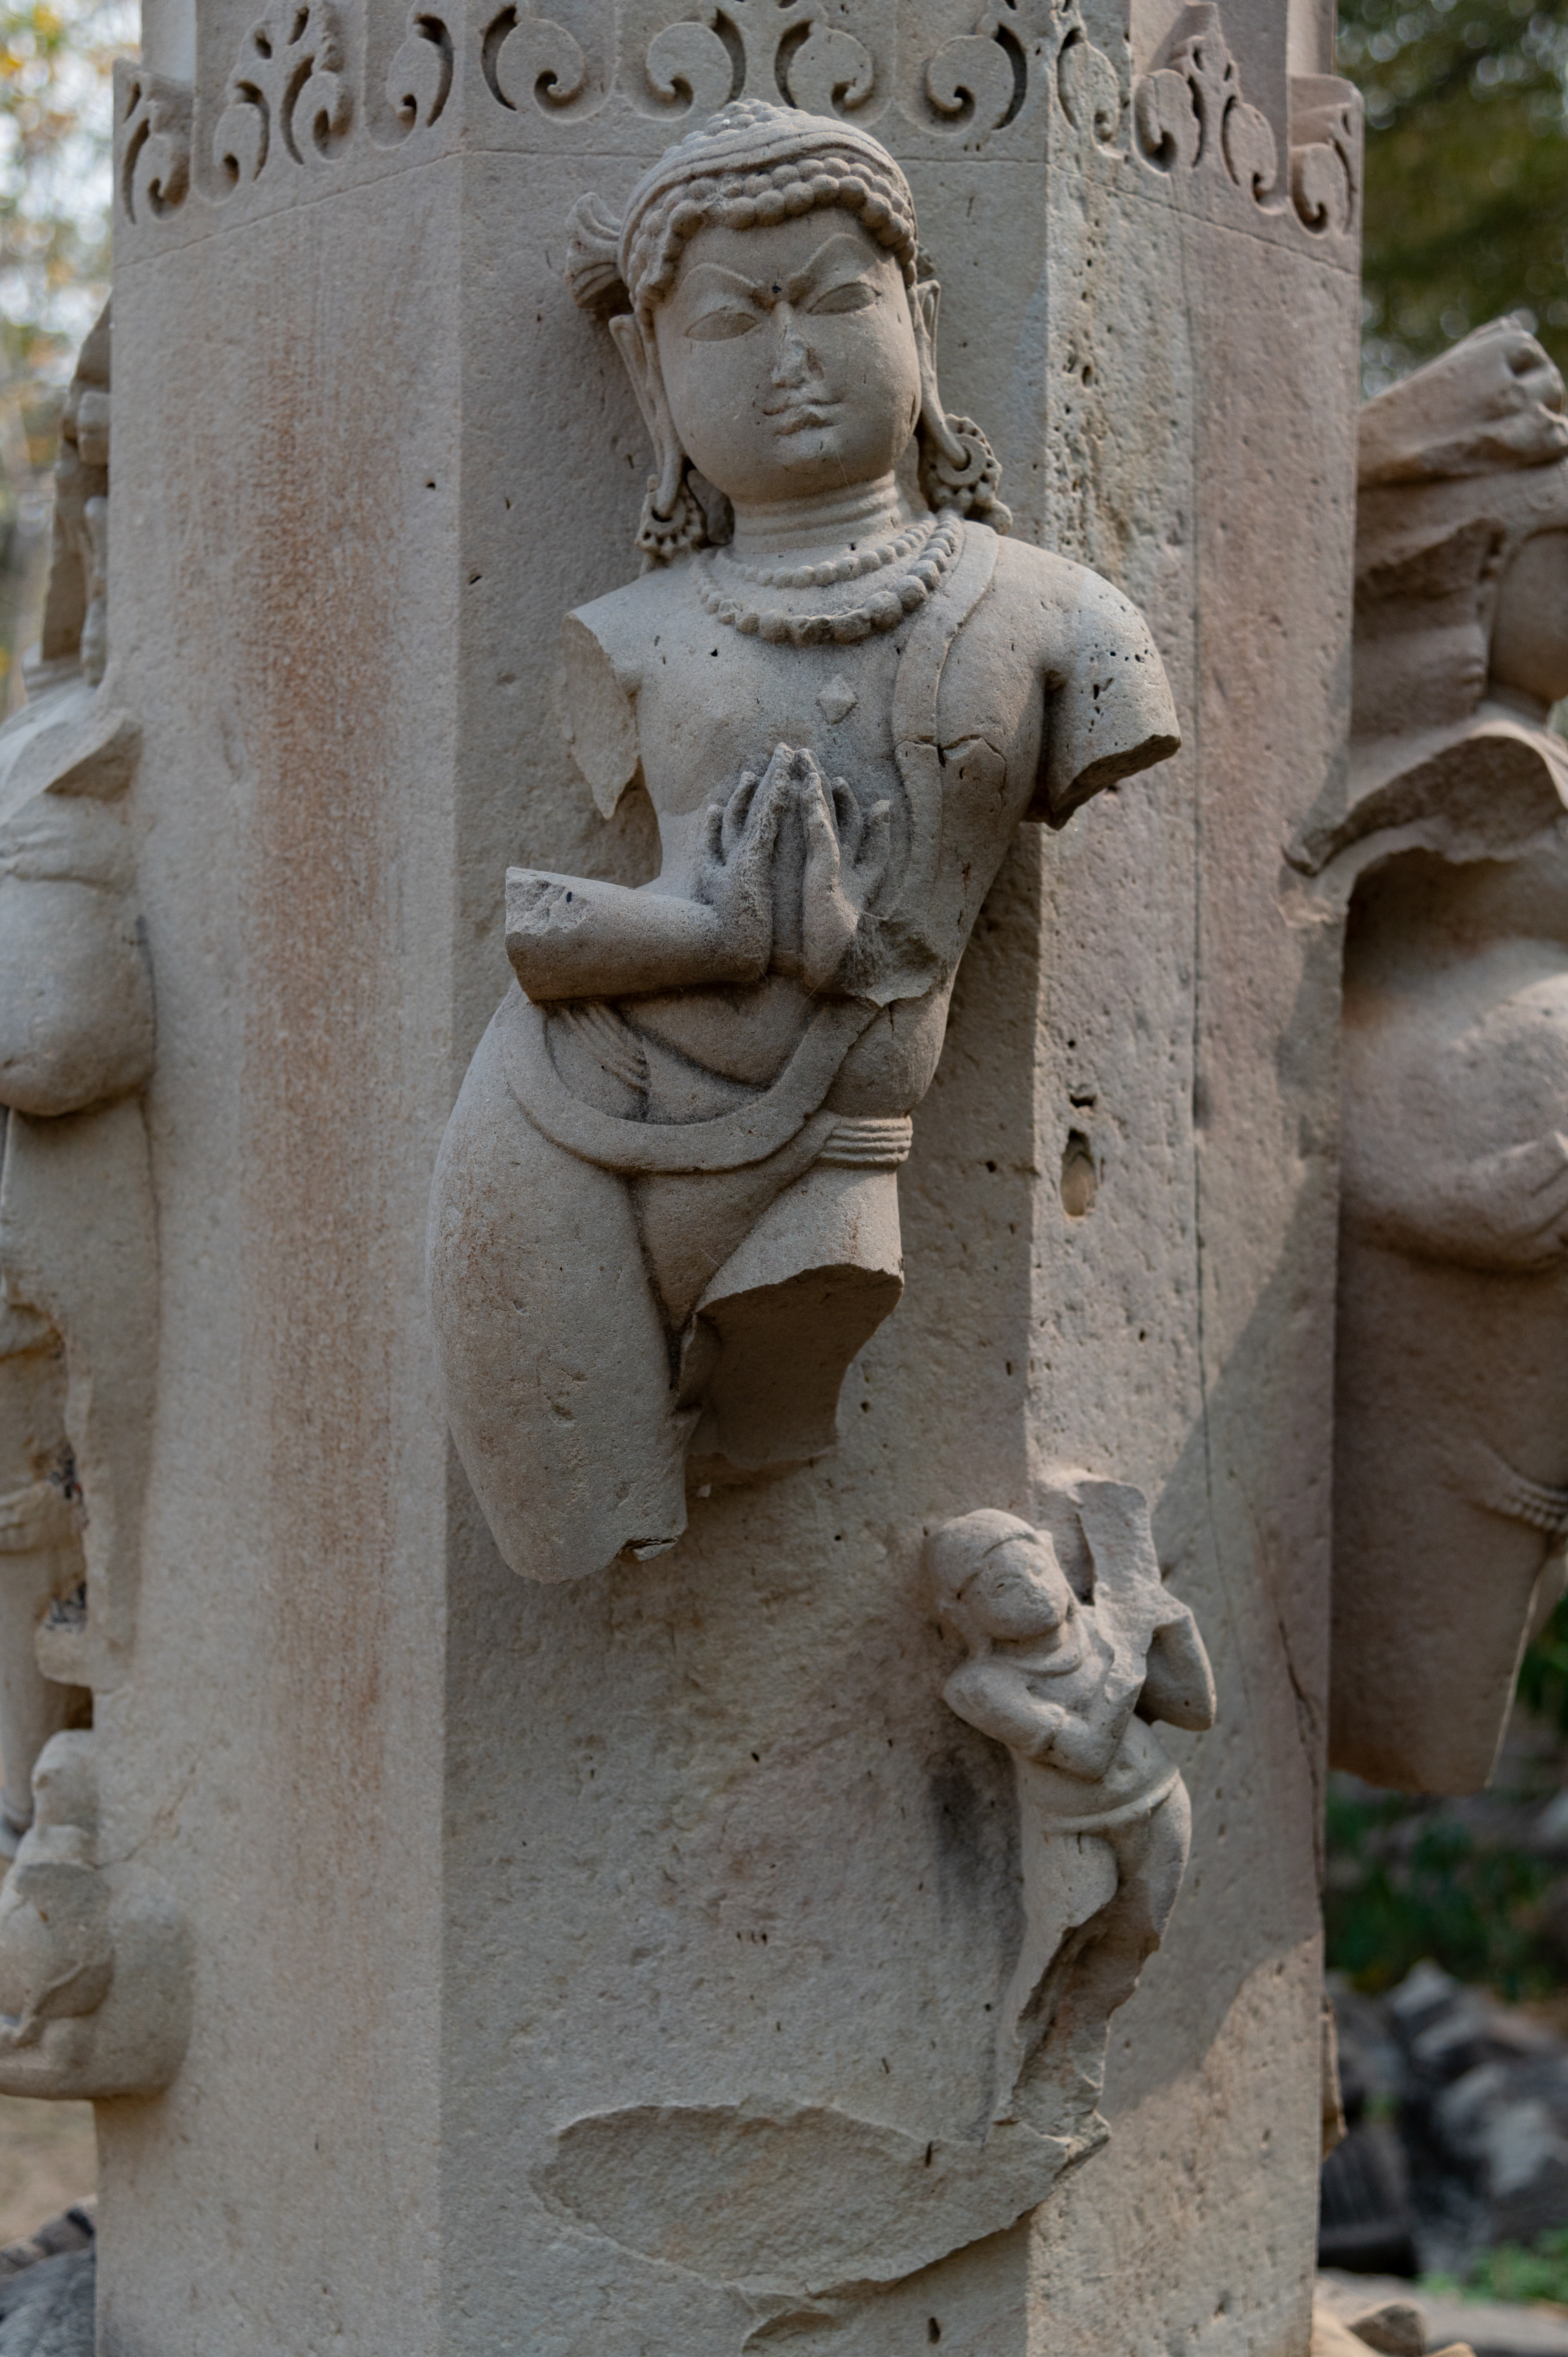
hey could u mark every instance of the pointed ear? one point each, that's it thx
(640, 355)
(925, 303)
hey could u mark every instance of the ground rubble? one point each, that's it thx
(1350, 2317)
(48, 2288)
(1457, 2114)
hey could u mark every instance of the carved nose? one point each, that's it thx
(793, 363)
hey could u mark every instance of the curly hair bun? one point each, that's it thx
(750, 164)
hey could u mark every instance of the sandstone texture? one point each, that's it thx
(615, 1882)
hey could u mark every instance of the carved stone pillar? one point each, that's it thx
(613, 1967)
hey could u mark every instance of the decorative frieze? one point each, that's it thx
(300, 95)
(287, 93)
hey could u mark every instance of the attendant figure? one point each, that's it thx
(1068, 1682)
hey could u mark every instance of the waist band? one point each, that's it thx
(1141, 1804)
(729, 1141)
(869, 1142)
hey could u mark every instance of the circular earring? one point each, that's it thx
(663, 537)
(969, 482)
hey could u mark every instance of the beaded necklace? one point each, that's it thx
(937, 540)
(850, 566)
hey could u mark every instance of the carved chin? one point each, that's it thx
(801, 442)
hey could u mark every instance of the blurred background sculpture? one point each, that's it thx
(1451, 1463)
(94, 1961)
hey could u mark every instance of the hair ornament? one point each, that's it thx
(593, 257)
(751, 162)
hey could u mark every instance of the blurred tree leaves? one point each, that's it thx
(55, 67)
(1543, 1672)
(1467, 204)
(55, 142)
(1409, 1878)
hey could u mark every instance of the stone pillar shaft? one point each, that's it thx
(465, 1858)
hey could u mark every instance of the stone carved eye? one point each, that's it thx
(717, 327)
(854, 296)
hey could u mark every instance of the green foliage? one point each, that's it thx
(1467, 200)
(1511, 2272)
(1406, 1880)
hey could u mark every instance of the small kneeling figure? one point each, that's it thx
(1104, 1822)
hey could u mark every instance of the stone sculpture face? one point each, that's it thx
(1019, 1594)
(1451, 1475)
(787, 356)
(665, 1217)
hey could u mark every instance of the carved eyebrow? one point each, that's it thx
(730, 282)
(764, 291)
(827, 254)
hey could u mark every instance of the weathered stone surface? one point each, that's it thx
(665, 1217)
(1065, 1675)
(94, 1955)
(78, 1313)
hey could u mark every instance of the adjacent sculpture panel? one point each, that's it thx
(665, 1217)
(1451, 1468)
(94, 1960)
(78, 1316)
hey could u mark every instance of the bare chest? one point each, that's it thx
(712, 703)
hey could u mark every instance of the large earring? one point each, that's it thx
(673, 519)
(662, 536)
(959, 469)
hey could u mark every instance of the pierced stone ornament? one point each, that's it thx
(970, 483)
(662, 538)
